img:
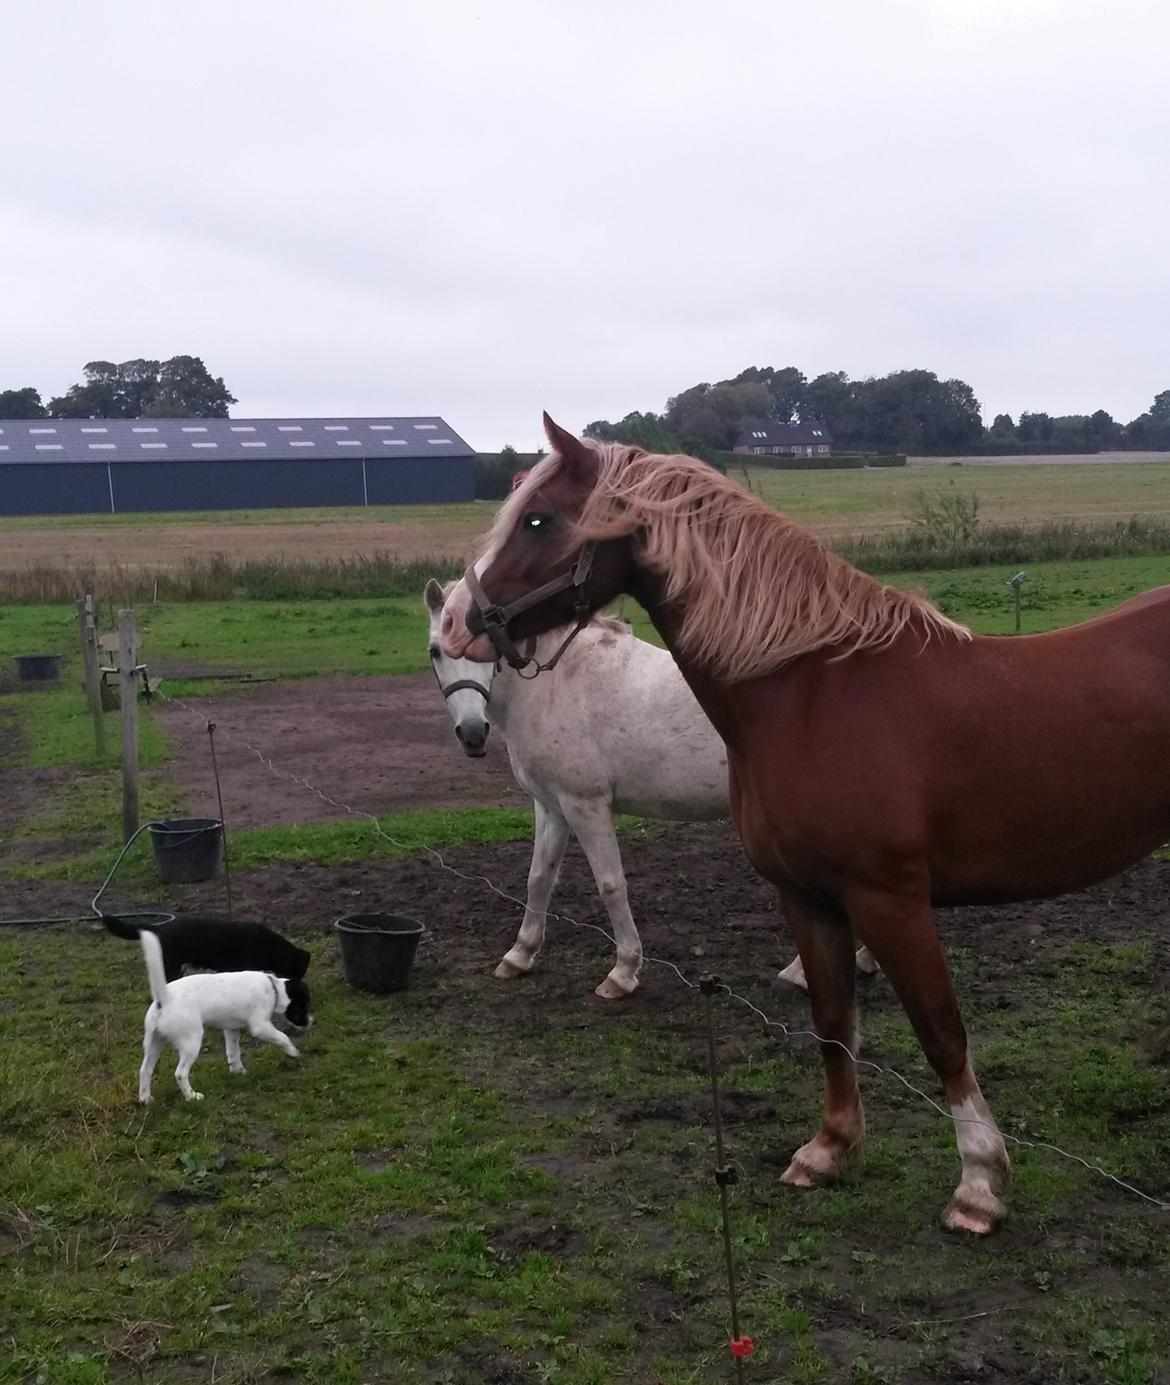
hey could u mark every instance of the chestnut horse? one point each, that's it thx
(882, 758)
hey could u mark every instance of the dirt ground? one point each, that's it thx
(380, 744)
(716, 912)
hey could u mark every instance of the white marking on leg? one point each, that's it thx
(976, 1205)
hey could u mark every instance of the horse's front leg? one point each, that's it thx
(548, 850)
(825, 940)
(592, 823)
(904, 940)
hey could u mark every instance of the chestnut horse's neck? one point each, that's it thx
(668, 616)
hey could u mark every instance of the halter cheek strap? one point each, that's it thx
(495, 619)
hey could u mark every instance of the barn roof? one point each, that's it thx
(770, 434)
(224, 439)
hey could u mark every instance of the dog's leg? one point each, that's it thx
(152, 1047)
(266, 1030)
(189, 1046)
(231, 1042)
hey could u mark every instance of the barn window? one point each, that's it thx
(394, 442)
(439, 442)
(49, 446)
(289, 428)
(337, 427)
(208, 444)
(152, 444)
(294, 442)
(194, 430)
(253, 444)
(242, 428)
(352, 442)
(101, 446)
(381, 427)
(95, 430)
(422, 427)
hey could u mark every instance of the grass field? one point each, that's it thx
(388, 635)
(835, 503)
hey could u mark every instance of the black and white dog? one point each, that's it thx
(205, 940)
(227, 1000)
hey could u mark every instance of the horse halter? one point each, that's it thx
(495, 619)
(460, 684)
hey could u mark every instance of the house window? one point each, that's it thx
(822, 448)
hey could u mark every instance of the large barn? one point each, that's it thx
(119, 466)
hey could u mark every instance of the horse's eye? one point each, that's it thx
(535, 523)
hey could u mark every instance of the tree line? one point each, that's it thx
(905, 411)
(182, 387)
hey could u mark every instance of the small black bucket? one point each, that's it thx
(187, 850)
(377, 950)
(38, 668)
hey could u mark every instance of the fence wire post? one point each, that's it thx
(741, 1347)
(227, 874)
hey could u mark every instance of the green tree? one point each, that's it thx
(22, 403)
(787, 388)
(185, 388)
(141, 388)
(1002, 427)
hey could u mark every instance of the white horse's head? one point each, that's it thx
(466, 684)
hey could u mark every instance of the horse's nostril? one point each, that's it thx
(459, 732)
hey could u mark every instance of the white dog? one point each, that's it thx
(227, 1000)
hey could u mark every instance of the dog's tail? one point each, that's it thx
(155, 974)
(123, 928)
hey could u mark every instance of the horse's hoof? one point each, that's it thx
(616, 990)
(975, 1211)
(867, 963)
(509, 971)
(793, 973)
(797, 1176)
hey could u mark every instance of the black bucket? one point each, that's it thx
(38, 668)
(187, 850)
(377, 949)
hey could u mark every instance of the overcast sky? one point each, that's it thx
(485, 209)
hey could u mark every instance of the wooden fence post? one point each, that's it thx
(89, 654)
(128, 685)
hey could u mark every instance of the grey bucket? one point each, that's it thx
(187, 850)
(38, 668)
(377, 949)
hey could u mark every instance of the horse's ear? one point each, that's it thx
(433, 596)
(572, 451)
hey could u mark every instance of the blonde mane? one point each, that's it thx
(757, 590)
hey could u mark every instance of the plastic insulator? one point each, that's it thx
(742, 1347)
(708, 984)
(726, 1176)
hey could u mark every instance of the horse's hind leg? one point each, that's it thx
(825, 941)
(548, 850)
(592, 822)
(904, 940)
